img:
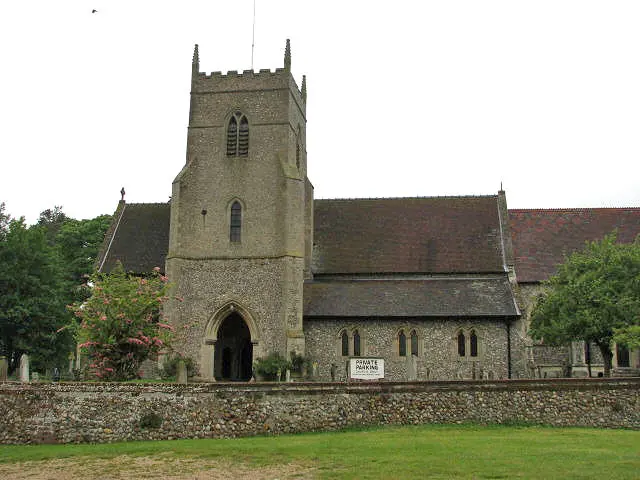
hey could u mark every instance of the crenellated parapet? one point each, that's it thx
(247, 80)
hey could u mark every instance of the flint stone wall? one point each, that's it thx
(109, 412)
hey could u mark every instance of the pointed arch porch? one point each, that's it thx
(230, 343)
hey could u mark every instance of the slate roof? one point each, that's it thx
(140, 239)
(407, 235)
(542, 238)
(430, 297)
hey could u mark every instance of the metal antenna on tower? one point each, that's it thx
(253, 33)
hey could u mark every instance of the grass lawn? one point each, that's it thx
(427, 451)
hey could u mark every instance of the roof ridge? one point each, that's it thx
(444, 197)
(148, 203)
(571, 209)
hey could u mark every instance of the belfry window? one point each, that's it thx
(235, 224)
(402, 344)
(238, 135)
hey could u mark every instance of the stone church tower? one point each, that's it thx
(241, 221)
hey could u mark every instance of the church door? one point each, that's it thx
(233, 351)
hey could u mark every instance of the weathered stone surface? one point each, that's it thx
(100, 412)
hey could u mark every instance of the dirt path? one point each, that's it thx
(127, 467)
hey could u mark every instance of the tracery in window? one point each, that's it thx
(402, 344)
(414, 343)
(238, 135)
(235, 223)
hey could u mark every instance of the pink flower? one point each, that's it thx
(164, 278)
(103, 318)
(165, 326)
(156, 269)
(143, 281)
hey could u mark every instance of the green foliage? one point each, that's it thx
(42, 269)
(270, 366)
(595, 293)
(120, 323)
(299, 363)
(170, 366)
(31, 297)
(628, 336)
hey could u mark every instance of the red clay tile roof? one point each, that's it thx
(431, 297)
(407, 235)
(541, 238)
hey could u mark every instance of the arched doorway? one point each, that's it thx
(233, 350)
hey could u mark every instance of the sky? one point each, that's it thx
(405, 98)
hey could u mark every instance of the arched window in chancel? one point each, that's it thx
(235, 222)
(402, 344)
(344, 344)
(357, 347)
(414, 343)
(238, 135)
(461, 344)
(473, 344)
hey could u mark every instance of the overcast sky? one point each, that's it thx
(405, 98)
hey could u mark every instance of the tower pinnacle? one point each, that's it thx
(287, 56)
(303, 90)
(195, 63)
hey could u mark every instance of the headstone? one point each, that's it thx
(334, 370)
(24, 368)
(412, 368)
(4, 368)
(72, 359)
(287, 375)
(55, 376)
(181, 375)
(314, 369)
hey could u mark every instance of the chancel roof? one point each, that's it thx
(542, 238)
(487, 296)
(407, 235)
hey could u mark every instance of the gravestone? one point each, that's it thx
(334, 370)
(412, 368)
(287, 375)
(24, 368)
(181, 375)
(4, 368)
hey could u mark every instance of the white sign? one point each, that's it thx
(366, 368)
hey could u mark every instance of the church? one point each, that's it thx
(440, 288)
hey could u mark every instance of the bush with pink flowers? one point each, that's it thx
(121, 325)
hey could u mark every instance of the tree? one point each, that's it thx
(595, 293)
(119, 325)
(78, 242)
(32, 309)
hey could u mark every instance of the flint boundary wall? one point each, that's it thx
(109, 412)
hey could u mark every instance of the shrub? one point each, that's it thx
(169, 368)
(270, 366)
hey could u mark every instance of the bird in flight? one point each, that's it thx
(94, 11)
